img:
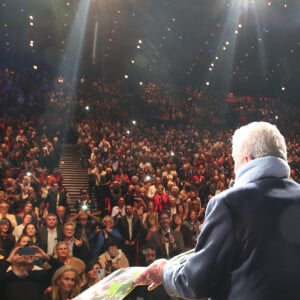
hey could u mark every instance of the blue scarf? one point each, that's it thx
(268, 166)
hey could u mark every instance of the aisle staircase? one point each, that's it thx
(73, 172)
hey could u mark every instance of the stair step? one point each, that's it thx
(74, 174)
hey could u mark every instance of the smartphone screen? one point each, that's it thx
(26, 251)
(101, 273)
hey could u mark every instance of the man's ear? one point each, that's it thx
(247, 158)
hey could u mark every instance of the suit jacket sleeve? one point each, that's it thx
(203, 273)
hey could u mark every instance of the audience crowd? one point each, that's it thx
(154, 159)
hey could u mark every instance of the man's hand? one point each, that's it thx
(78, 242)
(40, 253)
(152, 276)
(14, 256)
(129, 243)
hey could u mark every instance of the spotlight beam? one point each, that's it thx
(70, 64)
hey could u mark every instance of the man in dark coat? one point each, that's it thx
(166, 242)
(130, 228)
(50, 234)
(55, 198)
(249, 246)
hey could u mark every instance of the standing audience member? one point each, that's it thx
(172, 206)
(139, 207)
(193, 225)
(166, 242)
(7, 240)
(178, 225)
(156, 187)
(56, 197)
(150, 227)
(85, 227)
(41, 213)
(77, 246)
(27, 208)
(32, 231)
(27, 218)
(50, 234)
(180, 210)
(196, 206)
(91, 218)
(130, 227)
(160, 198)
(118, 210)
(4, 208)
(84, 203)
(103, 234)
(150, 211)
(61, 213)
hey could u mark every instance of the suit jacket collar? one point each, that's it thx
(262, 167)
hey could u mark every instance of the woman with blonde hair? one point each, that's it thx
(65, 284)
(151, 226)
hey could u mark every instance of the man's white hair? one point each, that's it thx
(258, 139)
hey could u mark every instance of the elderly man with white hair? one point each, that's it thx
(249, 246)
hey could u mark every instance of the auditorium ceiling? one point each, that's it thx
(249, 47)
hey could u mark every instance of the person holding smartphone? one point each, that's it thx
(22, 278)
(104, 233)
(94, 273)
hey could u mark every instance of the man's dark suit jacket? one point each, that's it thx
(123, 227)
(43, 242)
(249, 246)
(157, 243)
(52, 200)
